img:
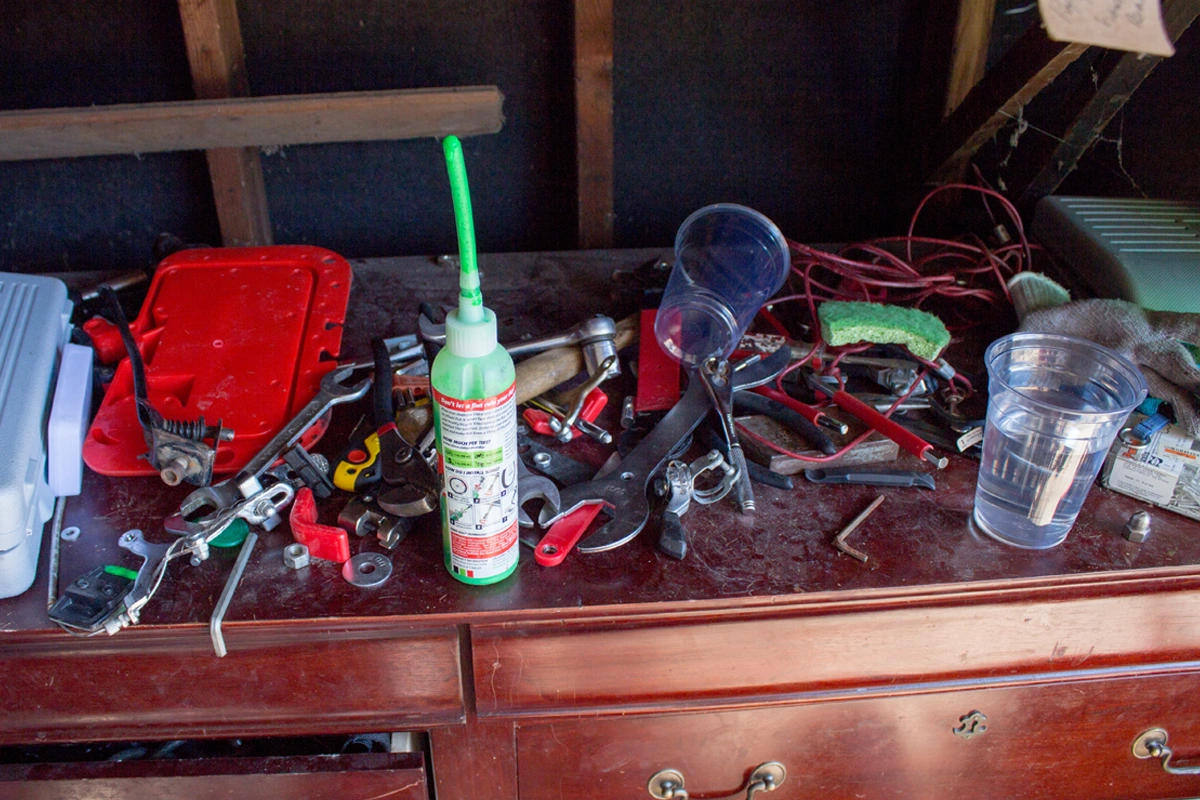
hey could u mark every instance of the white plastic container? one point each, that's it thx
(34, 314)
(69, 421)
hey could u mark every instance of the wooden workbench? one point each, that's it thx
(764, 644)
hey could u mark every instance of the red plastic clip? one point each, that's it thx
(564, 534)
(322, 541)
(539, 420)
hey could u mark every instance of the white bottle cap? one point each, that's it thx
(471, 339)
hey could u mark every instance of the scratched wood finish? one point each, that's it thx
(217, 60)
(1067, 741)
(247, 121)
(920, 543)
(315, 678)
(397, 776)
(594, 121)
(476, 760)
(548, 667)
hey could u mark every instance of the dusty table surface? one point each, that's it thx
(919, 543)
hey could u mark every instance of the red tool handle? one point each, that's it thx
(539, 420)
(803, 409)
(658, 373)
(902, 436)
(322, 541)
(563, 535)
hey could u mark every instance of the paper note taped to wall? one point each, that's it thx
(1134, 25)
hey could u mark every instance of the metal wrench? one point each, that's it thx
(531, 486)
(246, 483)
(716, 375)
(623, 493)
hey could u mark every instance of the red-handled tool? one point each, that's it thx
(563, 535)
(908, 440)
(322, 541)
(813, 415)
(539, 419)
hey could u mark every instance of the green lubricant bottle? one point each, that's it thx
(475, 414)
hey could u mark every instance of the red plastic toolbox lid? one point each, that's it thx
(237, 334)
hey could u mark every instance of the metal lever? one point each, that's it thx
(1153, 744)
(717, 376)
(562, 428)
(667, 784)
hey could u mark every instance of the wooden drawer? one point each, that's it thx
(397, 776)
(1057, 741)
(167, 684)
(821, 650)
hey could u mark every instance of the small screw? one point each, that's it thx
(1138, 527)
(82, 583)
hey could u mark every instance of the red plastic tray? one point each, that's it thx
(242, 334)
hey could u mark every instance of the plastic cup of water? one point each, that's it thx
(1055, 404)
(729, 260)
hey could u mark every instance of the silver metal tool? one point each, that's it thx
(596, 336)
(246, 483)
(235, 577)
(531, 486)
(716, 376)
(679, 485)
(623, 492)
(60, 508)
(562, 427)
(840, 540)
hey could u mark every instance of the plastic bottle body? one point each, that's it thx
(475, 415)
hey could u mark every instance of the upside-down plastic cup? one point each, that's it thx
(1055, 404)
(729, 260)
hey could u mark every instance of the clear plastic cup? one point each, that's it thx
(729, 260)
(1055, 404)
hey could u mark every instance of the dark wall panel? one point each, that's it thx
(387, 198)
(789, 107)
(95, 213)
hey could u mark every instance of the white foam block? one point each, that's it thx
(69, 421)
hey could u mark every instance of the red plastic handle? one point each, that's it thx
(803, 409)
(892, 430)
(322, 541)
(539, 420)
(564, 534)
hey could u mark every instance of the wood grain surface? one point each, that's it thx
(1068, 741)
(241, 122)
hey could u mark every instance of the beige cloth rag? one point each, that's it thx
(1153, 340)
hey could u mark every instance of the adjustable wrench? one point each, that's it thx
(623, 493)
(222, 495)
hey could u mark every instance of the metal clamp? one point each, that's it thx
(667, 784)
(1153, 744)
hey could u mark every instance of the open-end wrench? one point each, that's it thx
(531, 486)
(246, 483)
(623, 493)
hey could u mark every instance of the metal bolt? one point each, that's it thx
(542, 459)
(296, 556)
(1138, 528)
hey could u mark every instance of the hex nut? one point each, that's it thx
(296, 556)
(1137, 530)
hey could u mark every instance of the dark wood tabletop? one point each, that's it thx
(919, 542)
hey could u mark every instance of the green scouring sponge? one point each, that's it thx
(850, 322)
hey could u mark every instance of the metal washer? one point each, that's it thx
(367, 569)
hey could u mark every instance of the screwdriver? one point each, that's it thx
(873, 419)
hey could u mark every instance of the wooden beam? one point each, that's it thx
(1110, 97)
(217, 59)
(1029, 66)
(594, 121)
(968, 60)
(244, 122)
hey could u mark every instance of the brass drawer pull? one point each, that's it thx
(667, 784)
(1153, 744)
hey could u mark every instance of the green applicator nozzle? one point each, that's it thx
(470, 298)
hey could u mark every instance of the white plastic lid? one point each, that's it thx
(471, 339)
